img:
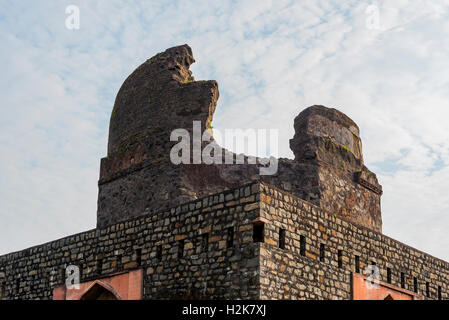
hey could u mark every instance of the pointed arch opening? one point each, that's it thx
(100, 291)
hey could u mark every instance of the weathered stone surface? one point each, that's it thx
(309, 277)
(155, 99)
(161, 95)
(243, 270)
(317, 126)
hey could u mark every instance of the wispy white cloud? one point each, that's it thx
(271, 60)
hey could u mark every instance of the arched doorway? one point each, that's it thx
(122, 286)
(388, 297)
(100, 292)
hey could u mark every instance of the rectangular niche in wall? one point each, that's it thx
(258, 232)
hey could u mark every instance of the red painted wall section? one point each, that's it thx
(364, 290)
(125, 286)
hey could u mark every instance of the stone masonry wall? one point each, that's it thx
(291, 274)
(251, 266)
(342, 195)
(225, 270)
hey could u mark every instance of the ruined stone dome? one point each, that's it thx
(138, 177)
(144, 103)
(317, 126)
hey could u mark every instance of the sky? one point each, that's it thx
(382, 63)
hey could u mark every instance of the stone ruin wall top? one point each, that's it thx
(161, 95)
